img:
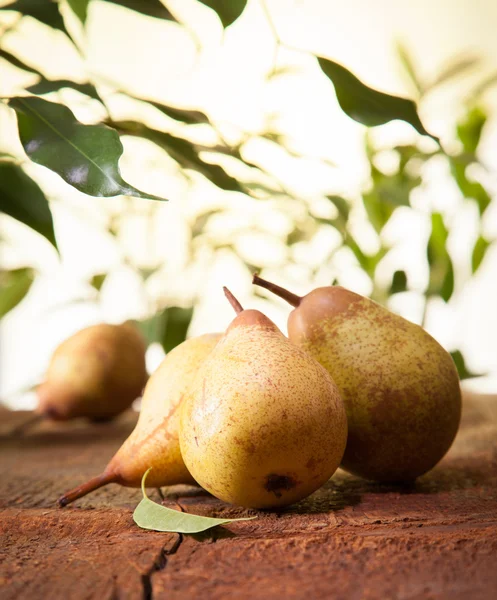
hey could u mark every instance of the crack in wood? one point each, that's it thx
(159, 565)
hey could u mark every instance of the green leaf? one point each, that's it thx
(441, 281)
(368, 262)
(227, 10)
(342, 207)
(483, 86)
(45, 86)
(178, 321)
(45, 11)
(168, 327)
(15, 285)
(13, 60)
(479, 252)
(282, 71)
(379, 212)
(190, 117)
(462, 370)
(366, 105)
(455, 68)
(150, 8)
(183, 152)
(470, 129)
(85, 156)
(22, 199)
(97, 281)
(79, 8)
(399, 282)
(470, 189)
(201, 221)
(390, 191)
(150, 515)
(152, 328)
(409, 68)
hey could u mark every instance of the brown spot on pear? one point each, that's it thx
(400, 387)
(277, 484)
(234, 437)
(154, 442)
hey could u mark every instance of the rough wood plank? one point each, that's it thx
(67, 554)
(351, 539)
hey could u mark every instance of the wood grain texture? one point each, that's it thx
(351, 539)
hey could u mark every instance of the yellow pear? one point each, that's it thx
(96, 373)
(263, 424)
(154, 441)
(400, 387)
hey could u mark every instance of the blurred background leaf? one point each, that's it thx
(183, 152)
(441, 269)
(22, 199)
(150, 8)
(16, 62)
(168, 327)
(45, 11)
(189, 117)
(15, 286)
(399, 282)
(366, 105)
(469, 130)
(97, 281)
(462, 370)
(45, 86)
(227, 10)
(479, 251)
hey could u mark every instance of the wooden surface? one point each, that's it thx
(351, 539)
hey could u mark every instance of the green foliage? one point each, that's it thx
(473, 190)
(399, 282)
(22, 199)
(469, 130)
(410, 69)
(441, 269)
(151, 8)
(45, 11)
(97, 281)
(455, 68)
(15, 285)
(182, 151)
(366, 105)
(189, 117)
(463, 371)
(167, 327)
(150, 515)
(79, 8)
(16, 62)
(227, 10)
(86, 156)
(479, 251)
(45, 86)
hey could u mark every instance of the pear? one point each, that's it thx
(154, 441)
(96, 373)
(263, 424)
(400, 387)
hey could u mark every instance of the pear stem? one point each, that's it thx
(291, 298)
(93, 484)
(233, 301)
